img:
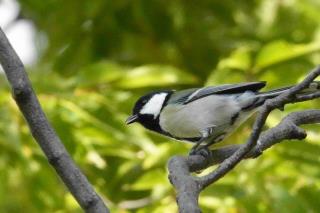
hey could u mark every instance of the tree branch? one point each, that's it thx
(230, 156)
(43, 132)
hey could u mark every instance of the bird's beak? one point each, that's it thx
(132, 119)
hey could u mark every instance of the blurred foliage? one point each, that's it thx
(97, 57)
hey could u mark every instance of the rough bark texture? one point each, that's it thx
(188, 187)
(43, 132)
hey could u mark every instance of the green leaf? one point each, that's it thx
(240, 59)
(100, 73)
(150, 179)
(154, 76)
(278, 52)
(235, 67)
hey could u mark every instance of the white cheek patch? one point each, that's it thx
(154, 105)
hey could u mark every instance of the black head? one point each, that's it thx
(147, 109)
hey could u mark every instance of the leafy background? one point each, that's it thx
(95, 58)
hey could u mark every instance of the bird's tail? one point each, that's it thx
(261, 97)
(313, 87)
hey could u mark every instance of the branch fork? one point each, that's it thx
(188, 187)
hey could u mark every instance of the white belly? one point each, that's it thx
(187, 121)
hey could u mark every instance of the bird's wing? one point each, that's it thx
(189, 95)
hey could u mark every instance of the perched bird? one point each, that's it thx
(202, 115)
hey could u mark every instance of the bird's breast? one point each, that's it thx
(188, 121)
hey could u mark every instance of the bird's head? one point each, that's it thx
(147, 109)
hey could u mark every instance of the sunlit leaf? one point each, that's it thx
(103, 72)
(240, 60)
(154, 75)
(150, 180)
(278, 52)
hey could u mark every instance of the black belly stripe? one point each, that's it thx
(234, 118)
(187, 139)
(194, 139)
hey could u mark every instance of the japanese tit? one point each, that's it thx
(201, 115)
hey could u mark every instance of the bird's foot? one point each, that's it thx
(203, 150)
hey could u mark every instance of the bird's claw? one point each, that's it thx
(203, 150)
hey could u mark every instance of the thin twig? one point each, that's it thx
(43, 132)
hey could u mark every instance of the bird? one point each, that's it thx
(203, 116)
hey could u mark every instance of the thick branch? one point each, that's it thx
(43, 132)
(188, 189)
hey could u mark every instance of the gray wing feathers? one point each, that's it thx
(181, 96)
(187, 96)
